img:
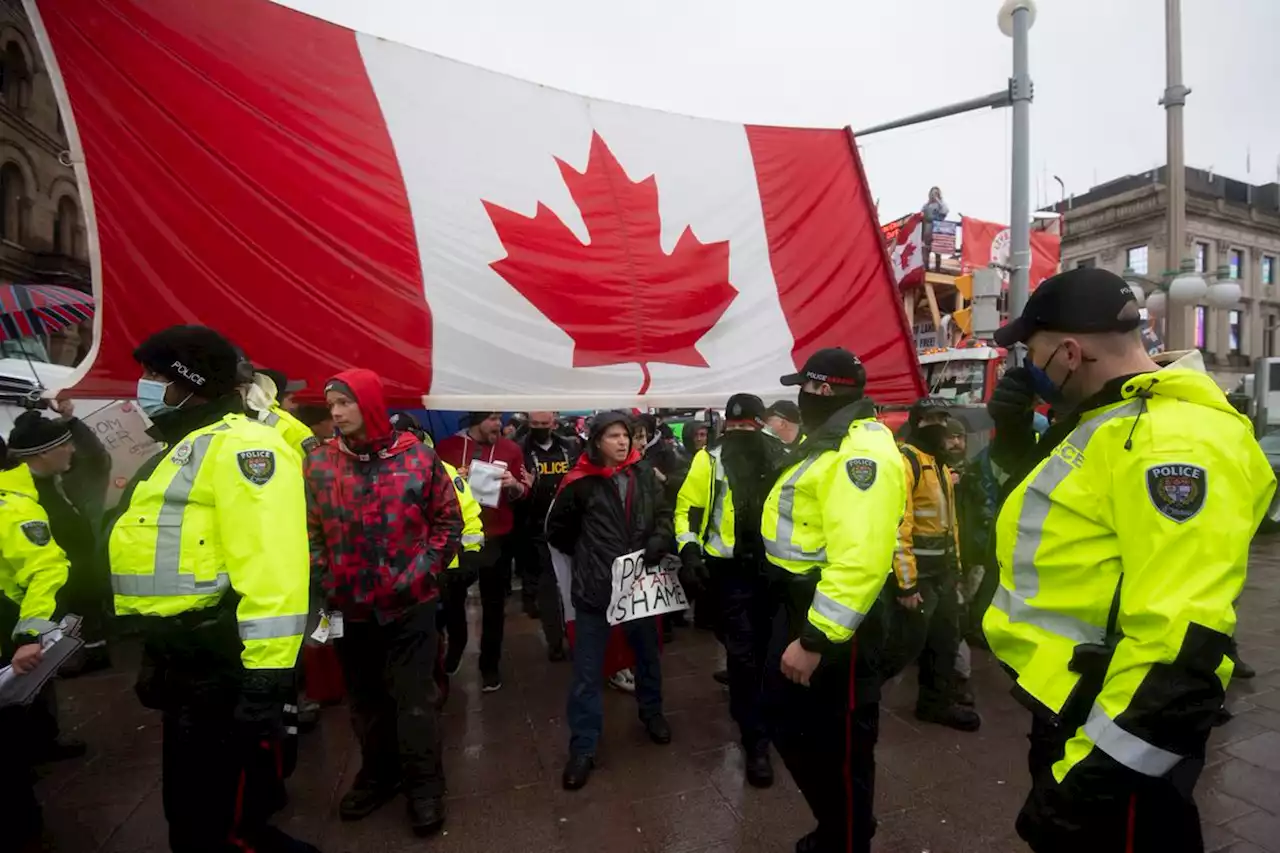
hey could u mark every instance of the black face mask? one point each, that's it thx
(816, 410)
(540, 435)
(930, 438)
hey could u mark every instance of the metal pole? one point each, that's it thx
(1175, 97)
(994, 101)
(1020, 203)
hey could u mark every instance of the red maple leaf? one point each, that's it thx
(619, 296)
(908, 250)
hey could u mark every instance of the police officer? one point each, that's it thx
(32, 571)
(718, 512)
(209, 549)
(1120, 554)
(263, 391)
(830, 527)
(926, 566)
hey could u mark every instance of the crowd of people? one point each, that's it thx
(826, 552)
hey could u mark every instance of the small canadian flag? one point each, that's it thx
(907, 253)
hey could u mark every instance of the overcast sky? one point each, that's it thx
(1098, 67)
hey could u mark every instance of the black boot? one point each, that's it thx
(956, 717)
(1243, 670)
(759, 767)
(721, 677)
(964, 693)
(426, 815)
(659, 729)
(365, 798)
(577, 772)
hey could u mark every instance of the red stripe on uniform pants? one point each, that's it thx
(210, 129)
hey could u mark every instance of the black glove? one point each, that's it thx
(693, 572)
(259, 711)
(655, 549)
(1013, 398)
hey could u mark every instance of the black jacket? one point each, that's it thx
(549, 467)
(590, 521)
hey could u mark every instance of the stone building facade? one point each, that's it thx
(42, 230)
(1230, 224)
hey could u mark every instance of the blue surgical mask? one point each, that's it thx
(151, 397)
(1046, 389)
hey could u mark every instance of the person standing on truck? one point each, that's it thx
(1121, 550)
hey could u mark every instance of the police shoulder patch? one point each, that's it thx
(257, 466)
(310, 443)
(460, 484)
(37, 533)
(1177, 490)
(862, 472)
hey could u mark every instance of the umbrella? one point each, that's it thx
(40, 309)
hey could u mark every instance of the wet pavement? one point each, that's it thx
(937, 790)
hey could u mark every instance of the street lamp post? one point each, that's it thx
(1175, 98)
(1016, 18)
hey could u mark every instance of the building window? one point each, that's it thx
(12, 203)
(13, 77)
(1233, 332)
(1202, 257)
(1086, 263)
(1235, 262)
(1136, 259)
(1268, 269)
(65, 224)
(1202, 326)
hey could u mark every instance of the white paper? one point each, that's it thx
(321, 633)
(486, 481)
(335, 625)
(640, 590)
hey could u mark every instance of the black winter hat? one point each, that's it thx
(744, 407)
(195, 358)
(34, 434)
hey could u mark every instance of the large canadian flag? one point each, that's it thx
(330, 199)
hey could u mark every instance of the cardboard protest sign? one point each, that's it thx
(640, 590)
(122, 429)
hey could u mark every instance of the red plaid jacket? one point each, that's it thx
(383, 526)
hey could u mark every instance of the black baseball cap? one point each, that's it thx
(833, 365)
(784, 409)
(1084, 301)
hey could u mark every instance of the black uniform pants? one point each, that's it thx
(220, 783)
(1136, 815)
(494, 575)
(827, 739)
(390, 675)
(940, 626)
(746, 610)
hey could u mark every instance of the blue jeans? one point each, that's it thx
(586, 702)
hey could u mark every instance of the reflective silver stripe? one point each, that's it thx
(719, 487)
(149, 586)
(291, 709)
(687, 538)
(829, 608)
(291, 730)
(33, 625)
(1036, 503)
(875, 426)
(1127, 748)
(783, 547)
(271, 419)
(929, 552)
(273, 627)
(925, 513)
(473, 539)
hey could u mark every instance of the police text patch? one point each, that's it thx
(1177, 490)
(257, 466)
(862, 472)
(37, 532)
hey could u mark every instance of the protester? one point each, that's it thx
(726, 489)
(384, 522)
(549, 457)
(926, 566)
(209, 549)
(318, 420)
(783, 420)
(33, 568)
(53, 448)
(482, 440)
(1122, 547)
(830, 528)
(611, 504)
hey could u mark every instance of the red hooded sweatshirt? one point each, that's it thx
(383, 516)
(459, 451)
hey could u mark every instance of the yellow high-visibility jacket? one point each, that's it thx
(296, 434)
(1148, 506)
(707, 488)
(837, 513)
(32, 566)
(225, 509)
(929, 528)
(472, 529)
